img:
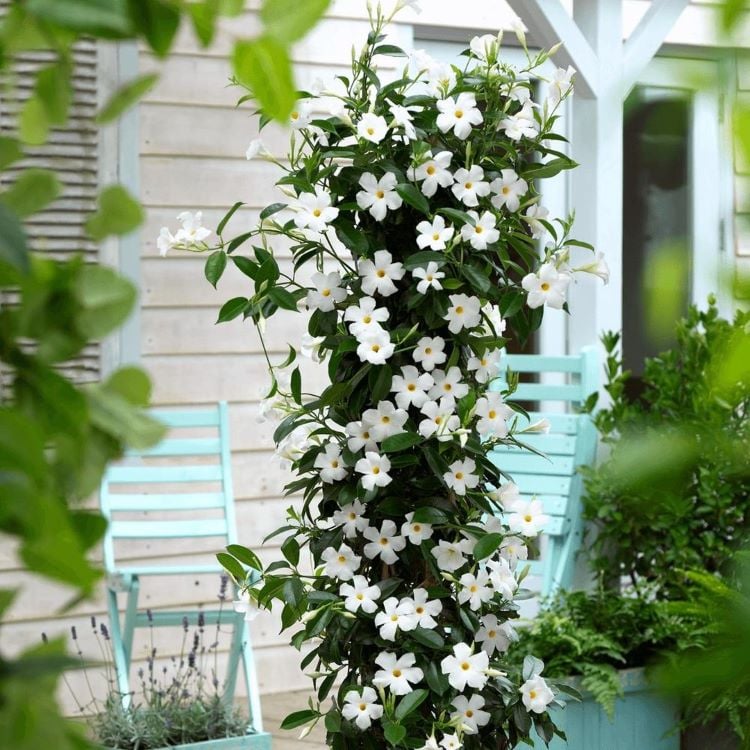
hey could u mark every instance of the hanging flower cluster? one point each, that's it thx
(416, 201)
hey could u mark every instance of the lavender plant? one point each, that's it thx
(416, 203)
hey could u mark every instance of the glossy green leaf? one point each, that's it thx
(299, 719)
(244, 555)
(283, 298)
(215, 265)
(232, 308)
(410, 702)
(125, 97)
(413, 196)
(232, 566)
(290, 550)
(290, 20)
(31, 192)
(415, 260)
(427, 637)
(487, 545)
(400, 442)
(394, 733)
(117, 213)
(296, 385)
(227, 216)
(204, 16)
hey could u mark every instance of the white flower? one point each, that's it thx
(458, 115)
(519, 27)
(502, 578)
(465, 668)
(314, 211)
(560, 85)
(379, 274)
(359, 594)
(429, 277)
(527, 517)
(546, 287)
(493, 415)
(394, 617)
(433, 173)
(385, 420)
(361, 709)
(485, 367)
(520, 125)
(450, 556)
(470, 185)
(485, 47)
(494, 635)
(429, 352)
(415, 531)
(310, 347)
(441, 78)
(385, 542)
(340, 563)
(536, 695)
(425, 610)
(513, 549)
(440, 419)
(256, 148)
(518, 91)
(506, 494)
(508, 189)
(462, 313)
(402, 117)
(534, 215)
(374, 469)
(247, 605)
(301, 115)
(351, 518)
(375, 347)
(378, 195)
(451, 742)
(433, 234)
(397, 674)
(597, 267)
(469, 711)
(165, 242)
(365, 317)
(330, 463)
(327, 292)
(541, 427)
(448, 384)
(483, 232)
(293, 446)
(192, 232)
(410, 387)
(476, 590)
(360, 436)
(430, 744)
(372, 127)
(494, 325)
(459, 477)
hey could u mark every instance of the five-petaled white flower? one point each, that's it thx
(520, 125)
(441, 79)
(327, 292)
(560, 85)
(434, 234)
(527, 517)
(493, 415)
(534, 216)
(247, 605)
(425, 610)
(378, 195)
(450, 556)
(314, 211)
(546, 287)
(431, 743)
(485, 47)
(191, 234)
(451, 742)
(465, 668)
(475, 589)
(536, 694)
(351, 518)
(597, 267)
(340, 563)
(460, 476)
(374, 470)
(502, 578)
(482, 233)
(372, 127)
(397, 674)
(394, 617)
(385, 542)
(411, 387)
(429, 278)
(470, 185)
(448, 385)
(403, 118)
(463, 312)
(506, 494)
(379, 274)
(430, 352)
(440, 419)
(433, 173)
(359, 594)
(507, 190)
(330, 463)
(375, 347)
(361, 708)
(458, 114)
(494, 635)
(485, 366)
(385, 420)
(365, 317)
(469, 711)
(360, 436)
(513, 549)
(493, 324)
(301, 116)
(415, 531)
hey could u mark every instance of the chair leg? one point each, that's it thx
(122, 663)
(131, 610)
(251, 678)
(235, 652)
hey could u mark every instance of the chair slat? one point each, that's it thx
(550, 445)
(168, 570)
(183, 447)
(532, 484)
(188, 417)
(174, 618)
(168, 529)
(171, 501)
(547, 392)
(514, 461)
(146, 474)
(541, 363)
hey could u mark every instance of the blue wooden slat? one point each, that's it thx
(168, 570)
(542, 363)
(146, 474)
(544, 485)
(187, 417)
(547, 392)
(551, 445)
(183, 447)
(554, 505)
(170, 501)
(168, 529)
(515, 462)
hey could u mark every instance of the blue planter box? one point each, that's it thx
(643, 720)
(257, 741)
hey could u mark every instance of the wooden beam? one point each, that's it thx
(647, 37)
(549, 23)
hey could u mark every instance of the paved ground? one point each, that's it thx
(275, 708)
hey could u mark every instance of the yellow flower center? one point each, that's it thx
(459, 310)
(396, 673)
(459, 475)
(380, 273)
(528, 518)
(465, 666)
(326, 292)
(352, 516)
(394, 618)
(438, 420)
(459, 114)
(295, 115)
(341, 559)
(334, 464)
(428, 350)
(492, 633)
(370, 131)
(468, 185)
(436, 236)
(491, 413)
(545, 286)
(367, 319)
(416, 528)
(419, 610)
(383, 540)
(532, 694)
(316, 212)
(506, 190)
(379, 194)
(469, 713)
(376, 470)
(473, 588)
(430, 170)
(411, 387)
(478, 229)
(375, 348)
(359, 597)
(362, 706)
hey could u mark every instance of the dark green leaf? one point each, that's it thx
(478, 280)
(290, 550)
(389, 49)
(299, 718)
(283, 298)
(457, 216)
(394, 733)
(400, 442)
(157, 21)
(101, 18)
(232, 566)
(248, 267)
(548, 169)
(10, 151)
(429, 514)
(352, 238)
(244, 555)
(240, 240)
(232, 308)
(215, 265)
(296, 385)
(413, 196)
(54, 91)
(487, 545)
(271, 210)
(423, 258)
(125, 97)
(411, 702)
(427, 637)
(227, 216)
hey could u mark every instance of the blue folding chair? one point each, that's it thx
(572, 440)
(137, 486)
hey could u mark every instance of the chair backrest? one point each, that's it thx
(180, 488)
(565, 382)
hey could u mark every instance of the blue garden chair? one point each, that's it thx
(554, 478)
(159, 497)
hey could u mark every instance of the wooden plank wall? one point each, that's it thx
(742, 179)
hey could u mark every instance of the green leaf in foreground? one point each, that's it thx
(411, 702)
(487, 545)
(299, 718)
(290, 20)
(31, 192)
(117, 213)
(13, 250)
(232, 566)
(125, 97)
(215, 265)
